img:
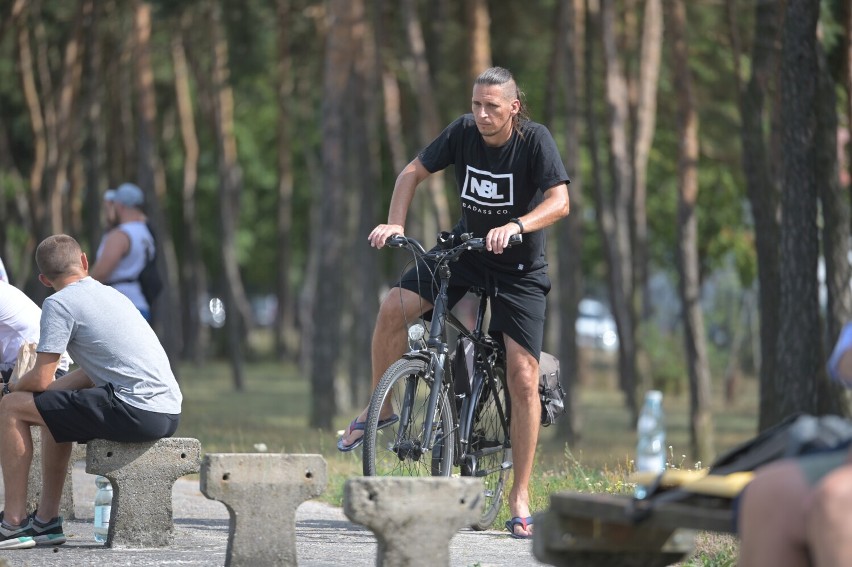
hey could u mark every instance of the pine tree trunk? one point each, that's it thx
(196, 336)
(238, 319)
(479, 37)
(94, 144)
(761, 185)
(569, 231)
(646, 119)
(285, 316)
(800, 355)
(365, 152)
(701, 425)
(330, 243)
(152, 180)
(430, 122)
(619, 202)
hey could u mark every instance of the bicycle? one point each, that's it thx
(433, 435)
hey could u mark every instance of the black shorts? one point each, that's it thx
(518, 301)
(96, 413)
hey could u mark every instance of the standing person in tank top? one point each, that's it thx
(124, 249)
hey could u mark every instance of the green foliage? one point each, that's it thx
(666, 364)
(716, 551)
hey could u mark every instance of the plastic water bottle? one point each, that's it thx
(103, 507)
(651, 432)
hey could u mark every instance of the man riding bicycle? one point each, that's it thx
(511, 181)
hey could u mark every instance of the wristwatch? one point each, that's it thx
(518, 222)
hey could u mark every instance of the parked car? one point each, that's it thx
(595, 326)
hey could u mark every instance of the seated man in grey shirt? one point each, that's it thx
(123, 390)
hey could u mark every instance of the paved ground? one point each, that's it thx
(324, 537)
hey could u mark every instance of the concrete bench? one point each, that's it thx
(261, 492)
(413, 519)
(142, 476)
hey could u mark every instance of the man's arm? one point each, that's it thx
(40, 376)
(403, 193)
(116, 246)
(554, 207)
(76, 380)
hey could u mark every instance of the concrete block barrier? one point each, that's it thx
(262, 492)
(142, 476)
(413, 519)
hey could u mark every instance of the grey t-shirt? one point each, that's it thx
(111, 341)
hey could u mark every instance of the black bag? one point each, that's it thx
(798, 434)
(462, 366)
(549, 389)
(150, 280)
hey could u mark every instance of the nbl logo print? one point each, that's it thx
(491, 190)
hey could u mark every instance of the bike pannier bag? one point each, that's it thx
(550, 390)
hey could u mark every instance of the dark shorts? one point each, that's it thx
(818, 465)
(96, 413)
(518, 301)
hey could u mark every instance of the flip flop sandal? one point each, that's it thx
(359, 426)
(518, 521)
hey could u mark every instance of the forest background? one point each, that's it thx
(707, 143)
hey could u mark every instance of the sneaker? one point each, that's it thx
(48, 533)
(15, 537)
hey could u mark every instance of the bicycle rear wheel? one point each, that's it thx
(490, 451)
(399, 449)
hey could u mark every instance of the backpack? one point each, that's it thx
(798, 434)
(550, 390)
(150, 280)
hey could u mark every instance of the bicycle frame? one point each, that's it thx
(486, 354)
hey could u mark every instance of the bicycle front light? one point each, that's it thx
(416, 332)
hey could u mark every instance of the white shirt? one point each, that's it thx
(129, 267)
(19, 323)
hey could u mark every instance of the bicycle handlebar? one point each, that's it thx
(451, 251)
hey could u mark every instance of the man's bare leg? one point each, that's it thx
(390, 340)
(522, 369)
(772, 518)
(17, 413)
(828, 523)
(55, 457)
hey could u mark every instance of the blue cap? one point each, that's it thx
(127, 194)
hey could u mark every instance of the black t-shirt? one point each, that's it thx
(497, 184)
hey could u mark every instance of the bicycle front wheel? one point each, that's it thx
(490, 453)
(401, 448)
